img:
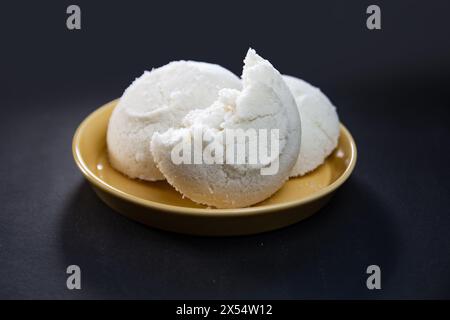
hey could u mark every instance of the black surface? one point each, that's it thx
(391, 88)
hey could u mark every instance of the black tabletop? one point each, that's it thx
(391, 89)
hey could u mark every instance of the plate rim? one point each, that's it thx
(95, 180)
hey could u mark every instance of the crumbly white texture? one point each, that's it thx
(155, 102)
(265, 102)
(320, 125)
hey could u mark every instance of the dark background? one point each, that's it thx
(390, 86)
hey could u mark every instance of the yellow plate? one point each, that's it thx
(159, 205)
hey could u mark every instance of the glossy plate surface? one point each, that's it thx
(159, 205)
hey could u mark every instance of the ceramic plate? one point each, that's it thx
(159, 205)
